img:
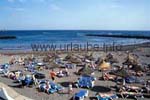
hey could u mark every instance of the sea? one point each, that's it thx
(25, 38)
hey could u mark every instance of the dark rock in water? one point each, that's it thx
(119, 36)
(8, 37)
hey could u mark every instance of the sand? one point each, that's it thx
(32, 93)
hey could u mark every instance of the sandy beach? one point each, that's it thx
(141, 52)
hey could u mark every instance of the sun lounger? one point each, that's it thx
(133, 79)
(27, 81)
(70, 66)
(80, 95)
(4, 67)
(107, 96)
(42, 87)
(31, 68)
(54, 87)
(102, 98)
(87, 81)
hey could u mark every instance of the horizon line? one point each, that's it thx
(67, 30)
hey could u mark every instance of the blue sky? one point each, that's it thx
(75, 14)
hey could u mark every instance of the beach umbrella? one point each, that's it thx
(130, 60)
(104, 66)
(86, 70)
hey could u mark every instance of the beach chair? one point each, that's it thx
(133, 79)
(107, 97)
(41, 81)
(86, 82)
(28, 81)
(52, 91)
(54, 87)
(42, 87)
(31, 68)
(102, 98)
(70, 66)
(3, 68)
(80, 95)
(114, 97)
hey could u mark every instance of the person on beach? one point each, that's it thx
(52, 75)
(106, 76)
(48, 86)
(35, 80)
(60, 73)
(12, 61)
(70, 88)
(122, 90)
(92, 64)
(66, 71)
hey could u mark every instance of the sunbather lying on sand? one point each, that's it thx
(107, 76)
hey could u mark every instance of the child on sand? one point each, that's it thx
(52, 75)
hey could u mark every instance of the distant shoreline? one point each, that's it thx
(118, 36)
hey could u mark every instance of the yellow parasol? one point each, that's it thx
(104, 66)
